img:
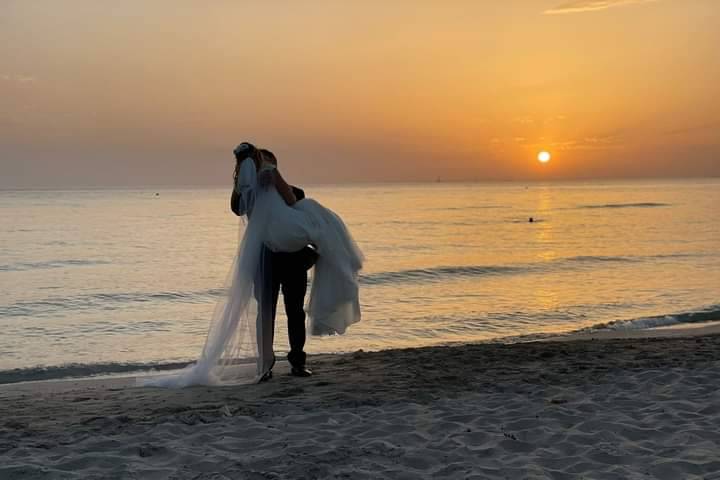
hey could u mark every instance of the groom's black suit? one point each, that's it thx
(289, 272)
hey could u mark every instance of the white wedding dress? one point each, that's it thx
(233, 351)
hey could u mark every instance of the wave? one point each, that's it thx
(118, 300)
(707, 314)
(628, 205)
(24, 266)
(435, 274)
(468, 207)
(103, 301)
(605, 259)
(461, 326)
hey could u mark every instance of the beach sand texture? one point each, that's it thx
(597, 409)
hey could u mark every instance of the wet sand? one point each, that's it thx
(588, 407)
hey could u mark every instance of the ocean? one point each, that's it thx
(106, 281)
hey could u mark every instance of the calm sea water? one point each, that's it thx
(99, 279)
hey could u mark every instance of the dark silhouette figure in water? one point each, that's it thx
(531, 219)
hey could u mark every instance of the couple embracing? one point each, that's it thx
(285, 234)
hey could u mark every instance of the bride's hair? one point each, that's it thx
(271, 156)
(243, 151)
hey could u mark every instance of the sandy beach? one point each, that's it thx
(582, 408)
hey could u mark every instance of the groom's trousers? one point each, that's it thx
(286, 271)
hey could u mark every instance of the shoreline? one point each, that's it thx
(679, 330)
(122, 370)
(611, 408)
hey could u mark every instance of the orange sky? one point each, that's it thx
(159, 92)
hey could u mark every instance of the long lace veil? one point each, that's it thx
(236, 349)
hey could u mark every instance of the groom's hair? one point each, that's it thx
(268, 153)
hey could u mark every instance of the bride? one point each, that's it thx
(236, 349)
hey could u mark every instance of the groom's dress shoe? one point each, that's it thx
(300, 372)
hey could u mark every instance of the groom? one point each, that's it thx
(288, 271)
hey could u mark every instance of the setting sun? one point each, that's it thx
(543, 157)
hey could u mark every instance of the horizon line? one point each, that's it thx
(361, 183)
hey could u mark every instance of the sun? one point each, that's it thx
(544, 157)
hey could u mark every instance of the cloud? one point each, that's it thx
(693, 128)
(18, 79)
(600, 142)
(524, 120)
(579, 6)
